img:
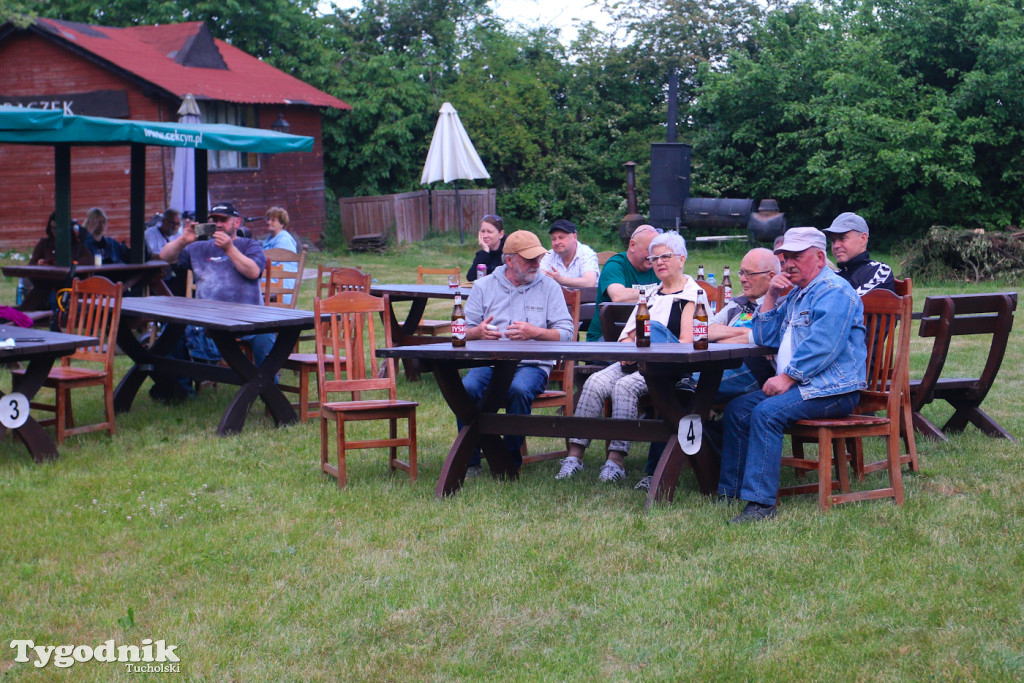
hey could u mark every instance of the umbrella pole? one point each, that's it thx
(458, 210)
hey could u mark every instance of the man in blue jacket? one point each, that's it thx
(819, 330)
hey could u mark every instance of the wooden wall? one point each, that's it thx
(411, 214)
(31, 65)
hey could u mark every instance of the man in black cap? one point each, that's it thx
(226, 267)
(849, 236)
(569, 263)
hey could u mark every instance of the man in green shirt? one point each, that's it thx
(621, 272)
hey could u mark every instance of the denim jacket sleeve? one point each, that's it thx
(827, 336)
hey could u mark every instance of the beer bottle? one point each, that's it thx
(700, 273)
(700, 323)
(727, 285)
(643, 322)
(458, 322)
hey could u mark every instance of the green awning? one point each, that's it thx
(23, 118)
(46, 127)
(95, 130)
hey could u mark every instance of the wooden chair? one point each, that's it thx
(887, 319)
(330, 281)
(945, 317)
(94, 311)
(563, 375)
(603, 256)
(855, 447)
(435, 328)
(274, 278)
(346, 363)
(715, 295)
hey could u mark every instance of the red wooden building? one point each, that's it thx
(142, 73)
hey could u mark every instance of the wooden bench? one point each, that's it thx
(943, 318)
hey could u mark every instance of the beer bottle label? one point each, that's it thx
(647, 328)
(459, 328)
(700, 330)
(728, 293)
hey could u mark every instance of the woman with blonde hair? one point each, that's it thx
(280, 238)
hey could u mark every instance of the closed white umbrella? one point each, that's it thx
(183, 181)
(452, 156)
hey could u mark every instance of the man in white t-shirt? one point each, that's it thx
(569, 263)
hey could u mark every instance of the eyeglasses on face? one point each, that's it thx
(747, 274)
(660, 257)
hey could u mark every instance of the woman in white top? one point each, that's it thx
(671, 304)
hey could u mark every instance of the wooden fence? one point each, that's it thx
(411, 214)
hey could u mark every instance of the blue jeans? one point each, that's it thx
(754, 426)
(529, 381)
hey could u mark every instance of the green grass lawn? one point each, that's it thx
(258, 568)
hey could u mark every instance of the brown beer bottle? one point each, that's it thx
(700, 324)
(458, 322)
(643, 322)
(700, 273)
(727, 286)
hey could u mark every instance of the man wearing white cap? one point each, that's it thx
(819, 330)
(516, 302)
(849, 235)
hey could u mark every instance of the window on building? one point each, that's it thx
(236, 115)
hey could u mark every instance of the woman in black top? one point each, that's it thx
(491, 239)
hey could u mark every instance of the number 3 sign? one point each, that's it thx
(690, 432)
(13, 410)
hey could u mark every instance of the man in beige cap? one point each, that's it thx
(516, 302)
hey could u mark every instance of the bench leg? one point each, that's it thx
(927, 429)
(979, 418)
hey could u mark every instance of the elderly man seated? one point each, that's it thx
(731, 325)
(819, 330)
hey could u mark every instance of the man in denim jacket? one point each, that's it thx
(819, 331)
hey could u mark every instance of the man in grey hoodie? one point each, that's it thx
(516, 302)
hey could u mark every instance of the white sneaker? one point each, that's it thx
(570, 466)
(644, 484)
(611, 472)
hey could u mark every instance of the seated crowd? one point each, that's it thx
(791, 300)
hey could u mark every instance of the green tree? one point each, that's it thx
(903, 110)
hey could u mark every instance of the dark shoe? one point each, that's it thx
(754, 512)
(473, 471)
(724, 500)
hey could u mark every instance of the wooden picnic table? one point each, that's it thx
(661, 364)
(40, 348)
(46, 278)
(224, 323)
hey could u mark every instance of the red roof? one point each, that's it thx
(149, 52)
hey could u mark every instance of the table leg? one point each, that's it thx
(667, 400)
(255, 381)
(147, 364)
(453, 471)
(36, 440)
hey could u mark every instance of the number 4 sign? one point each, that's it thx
(690, 432)
(13, 410)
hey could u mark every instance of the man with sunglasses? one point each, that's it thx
(225, 267)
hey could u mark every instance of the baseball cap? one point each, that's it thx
(845, 222)
(563, 225)
(524, 243)
(224, 209)
(798, 239)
